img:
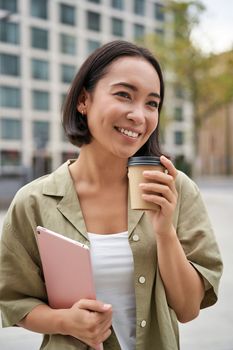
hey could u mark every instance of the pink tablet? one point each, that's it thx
(67, 269)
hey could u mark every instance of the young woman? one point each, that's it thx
(150, 268)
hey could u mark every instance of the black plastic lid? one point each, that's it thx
(144, 160)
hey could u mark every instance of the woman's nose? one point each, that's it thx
(137, 115)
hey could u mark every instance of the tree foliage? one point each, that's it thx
(206, 78)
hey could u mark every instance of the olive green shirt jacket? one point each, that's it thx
(51, 201)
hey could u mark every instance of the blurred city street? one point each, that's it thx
(213, 329)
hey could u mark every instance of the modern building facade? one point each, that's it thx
(42, 44)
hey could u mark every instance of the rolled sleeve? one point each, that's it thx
(21, 285)
(198, 240)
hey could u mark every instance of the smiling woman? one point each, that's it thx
(97, 66)
(151, 269)
(130, 104)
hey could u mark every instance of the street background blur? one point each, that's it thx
(42, 45)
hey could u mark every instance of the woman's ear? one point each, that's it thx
(82, 102)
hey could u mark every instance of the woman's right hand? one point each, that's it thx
(89, 321)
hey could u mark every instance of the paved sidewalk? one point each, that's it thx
(213, 329)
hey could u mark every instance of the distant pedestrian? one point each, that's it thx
(151, 268)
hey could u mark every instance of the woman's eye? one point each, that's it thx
(153, 104)
(123, 94)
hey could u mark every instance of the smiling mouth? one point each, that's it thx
(129, 133)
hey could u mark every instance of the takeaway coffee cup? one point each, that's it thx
(136, 166)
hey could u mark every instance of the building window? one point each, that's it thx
(11, 129)
(93, 21)
(39, 8)
(159, 12)
(179, 138)
(139, 7)
(92, 45)
(67, 14)
(10, 97)
(67, 73)
(40, 100)
(159, 32)
(40, 133)
(9, 64)
(179, 91)
(40, 69)
(178, 113)
(9, 32)
(118, 4)
(95, 1)
(9, 5)
(139, 31)
(117, 27)
(39, 38)
(63, 98)
(68, 44)
(69, 155)
(10, 157)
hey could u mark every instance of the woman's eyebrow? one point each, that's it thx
(134, 88)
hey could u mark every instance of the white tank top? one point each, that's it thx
(113, 271)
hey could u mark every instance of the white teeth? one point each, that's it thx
(128, 132)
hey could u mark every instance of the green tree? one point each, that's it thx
(206, 79)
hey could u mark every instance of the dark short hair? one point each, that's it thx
(92, 70)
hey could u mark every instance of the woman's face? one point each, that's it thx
(122, 111)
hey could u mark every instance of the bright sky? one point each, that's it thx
(215, 32)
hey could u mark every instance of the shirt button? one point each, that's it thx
(143, 323)
(142, 279)
(135, 238)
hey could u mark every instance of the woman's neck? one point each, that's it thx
(99, 170)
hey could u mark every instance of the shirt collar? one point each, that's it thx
(60, 184)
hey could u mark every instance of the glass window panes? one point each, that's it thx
(67, 73)
(10, 129)
(10, 97)
(92, 45)
(40, 100)
(159, 12)
(93, 21)
(10, 157)
(69, 155)
(117, 27)
(9, 64)
(9, 5)
(139, 7)
(67, 44)
(40, 133)
(40, 69)
(178, 113)
(63, 97)
(39, 8)
(39, 38)
(67, 14)
(179, 138)
(118, 4)
(179, 92)
(159, 32)
(139, 31)
(9, 32)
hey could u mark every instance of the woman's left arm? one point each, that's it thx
(183, 285)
